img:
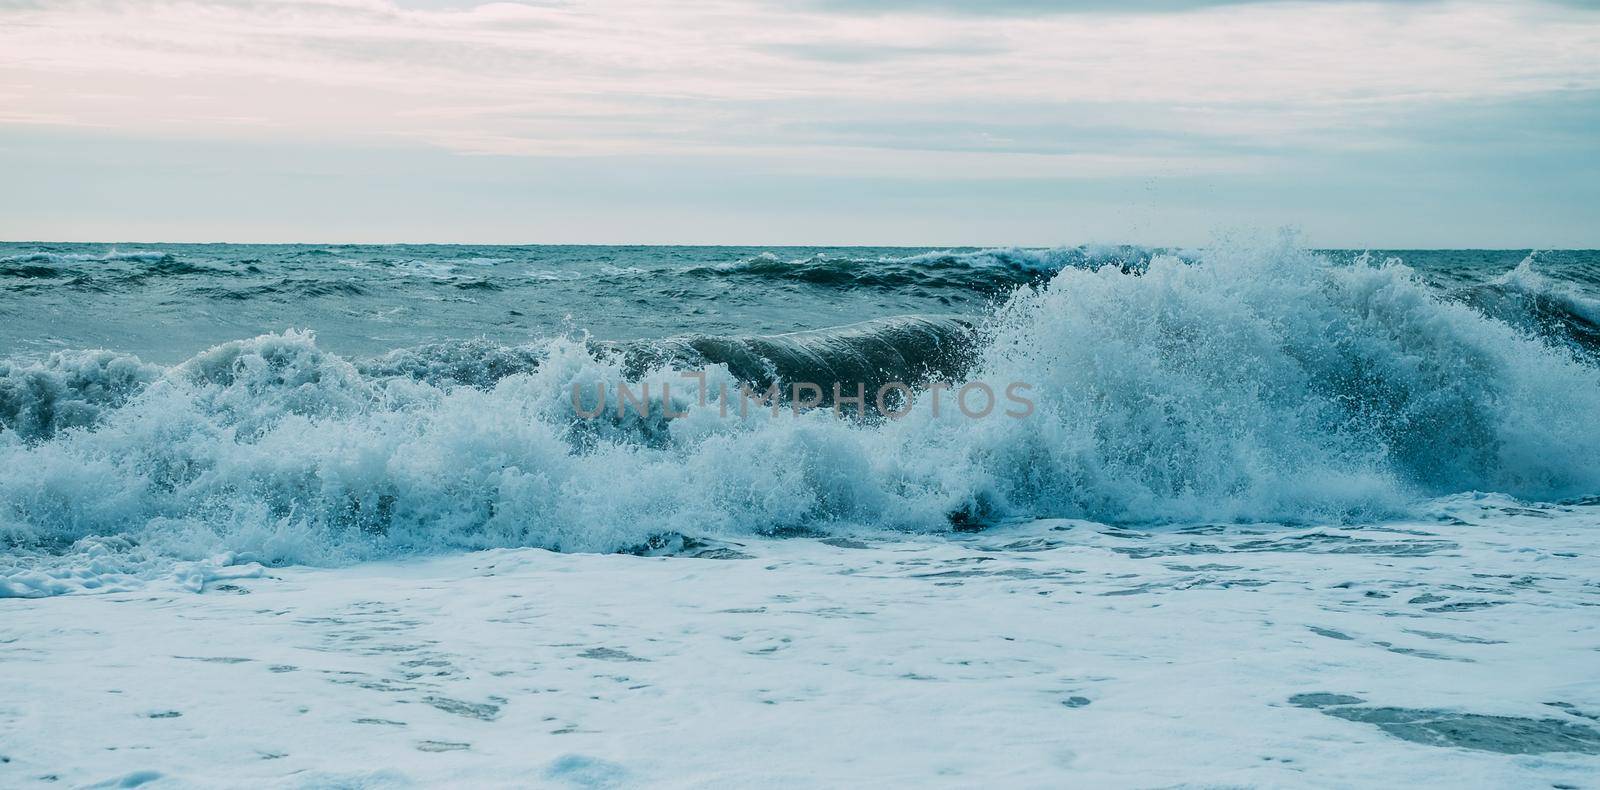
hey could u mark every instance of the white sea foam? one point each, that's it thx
(1455, 650)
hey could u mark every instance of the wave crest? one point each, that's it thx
(988, 270)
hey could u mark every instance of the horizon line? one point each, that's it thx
(709, 245)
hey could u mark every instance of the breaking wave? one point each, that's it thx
(1263, 384)
(1559, 310)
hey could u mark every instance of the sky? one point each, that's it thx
(1379, 123)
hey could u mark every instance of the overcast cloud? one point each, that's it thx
(827, 121)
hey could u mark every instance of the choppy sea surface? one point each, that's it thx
(1276, 516)
(168, 302)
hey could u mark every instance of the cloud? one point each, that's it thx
(1035, 7)
(849, 52)
(794, 89)
(629, 76)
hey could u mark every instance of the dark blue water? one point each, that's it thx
(166, 302)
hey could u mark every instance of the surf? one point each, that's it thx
(1237, 384)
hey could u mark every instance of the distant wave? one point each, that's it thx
(1238, 384)
(989, 269)
(85, 268)
(986, 271)
(1563, 311)
(74, 257)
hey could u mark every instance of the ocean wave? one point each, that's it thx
(285, 288)
(77, 257)
(29, 271)
(913, 350)
(908, 349)
(1244, 384)
(86, 271)
(411, 267)
(1563, 311)
(986, 270)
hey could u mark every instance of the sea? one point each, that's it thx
(1250, 513)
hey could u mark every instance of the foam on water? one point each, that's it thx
(1260, 384)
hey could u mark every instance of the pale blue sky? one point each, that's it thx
(921, 122)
